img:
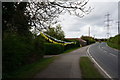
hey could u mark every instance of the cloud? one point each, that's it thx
(76, 27)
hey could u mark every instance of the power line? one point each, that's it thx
(108, 20)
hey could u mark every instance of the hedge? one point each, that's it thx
(69, 46)
(19, 51)
(52, 49)
(89, 40)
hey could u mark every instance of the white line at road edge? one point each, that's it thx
(108, 52)
(112, 48)
(98, 64)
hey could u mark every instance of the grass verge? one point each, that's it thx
(113, 45)
(30, 70)
(88, 69)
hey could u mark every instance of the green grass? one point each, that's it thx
(113, 45)
(70, 50)
(88, 69)
(114, 42)
(30, 70)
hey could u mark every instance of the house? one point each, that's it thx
(82, 42)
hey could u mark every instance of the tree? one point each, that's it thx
(60, 33)
(56, 32)
(89, 39)
(14, 18)
(19, 17)
(45, 13)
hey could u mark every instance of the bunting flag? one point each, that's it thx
(54, 40)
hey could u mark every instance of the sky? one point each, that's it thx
(75, 27)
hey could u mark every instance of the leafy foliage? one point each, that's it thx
(14, 18)
(45, 12)
(69, 46)
(89, 40)
(15, 51)
(51, 48)
(114, 42)
(19, 51)
(20, 47)
(56, 32)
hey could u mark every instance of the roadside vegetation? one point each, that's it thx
(88, 69)
(114, 42)
(21, 23)
(30, 70)
(88, 39)
(23, 47)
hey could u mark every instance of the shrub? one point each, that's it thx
(89, 40)
(38, 44)
(15, 50)
(19, 51)
(69, 46)
(52, 49)
(114, 42)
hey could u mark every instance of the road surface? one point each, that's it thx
(106, 57)
(66, 66)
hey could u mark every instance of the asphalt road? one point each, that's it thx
(106, 57)
(65, 66)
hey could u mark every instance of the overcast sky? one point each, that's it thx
(75, 27)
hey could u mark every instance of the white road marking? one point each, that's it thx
(106, 52)
(98, 64)
(111, 47)
(113, 54)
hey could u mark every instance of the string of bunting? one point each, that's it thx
(54, 40)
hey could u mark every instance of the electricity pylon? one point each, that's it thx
(108, 24)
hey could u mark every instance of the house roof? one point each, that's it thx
(76, 39)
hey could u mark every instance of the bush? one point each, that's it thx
(15, 51)
(70, 46)
(89, 40)
(38, 44)
(52, 49)
(114, 42)
(19, 51)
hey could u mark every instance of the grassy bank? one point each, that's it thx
(114, 42)
(88, 69)
(28, 71)
(113, 45)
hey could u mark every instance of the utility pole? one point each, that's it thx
(108, 24)
(89, 32)
(118, 27)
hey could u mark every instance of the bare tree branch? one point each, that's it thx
(45, 13)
